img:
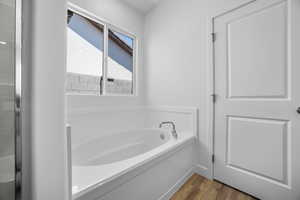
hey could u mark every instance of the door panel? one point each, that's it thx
(257, 97)
(247, 153)
(265, 31)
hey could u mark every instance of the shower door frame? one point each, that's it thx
(18, 99)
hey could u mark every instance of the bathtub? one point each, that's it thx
(103, 163)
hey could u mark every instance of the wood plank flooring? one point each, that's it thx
(200, 188)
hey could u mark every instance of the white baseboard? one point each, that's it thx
(203, 171)
(198, 169)
(177, 185)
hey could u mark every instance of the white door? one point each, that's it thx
(257, 83)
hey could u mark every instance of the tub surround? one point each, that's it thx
(86, 121)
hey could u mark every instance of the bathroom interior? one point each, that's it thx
(149, 100)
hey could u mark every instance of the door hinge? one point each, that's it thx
(213, 158)
(214, 98)
(213, 37)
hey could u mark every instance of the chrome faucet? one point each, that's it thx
(174, 133)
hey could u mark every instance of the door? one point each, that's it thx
(7, 101)
(257, 125)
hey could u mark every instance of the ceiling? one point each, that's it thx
(143, 6)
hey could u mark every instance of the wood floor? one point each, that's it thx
(200, 188)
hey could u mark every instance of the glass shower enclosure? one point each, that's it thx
(10, 99)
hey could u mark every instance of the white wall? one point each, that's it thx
(176, 59)
(48, 71)
(94, 123)
(119, 14)
(174, 69)
(175, 74)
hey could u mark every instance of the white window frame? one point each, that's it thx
(108, 26)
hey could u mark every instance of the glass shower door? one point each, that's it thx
(7, 99)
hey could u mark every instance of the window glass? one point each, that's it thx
(120, 64)
(85, 55)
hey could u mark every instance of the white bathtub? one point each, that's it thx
(97, 163)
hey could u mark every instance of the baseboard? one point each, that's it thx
(198, 169)
(203, 171)
(177, 185)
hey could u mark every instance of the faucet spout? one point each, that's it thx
(174, 132)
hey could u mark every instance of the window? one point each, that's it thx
(100, 58)
(120, 63)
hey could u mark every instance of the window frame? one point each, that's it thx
(109, 26)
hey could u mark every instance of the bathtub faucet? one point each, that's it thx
(174, 133)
